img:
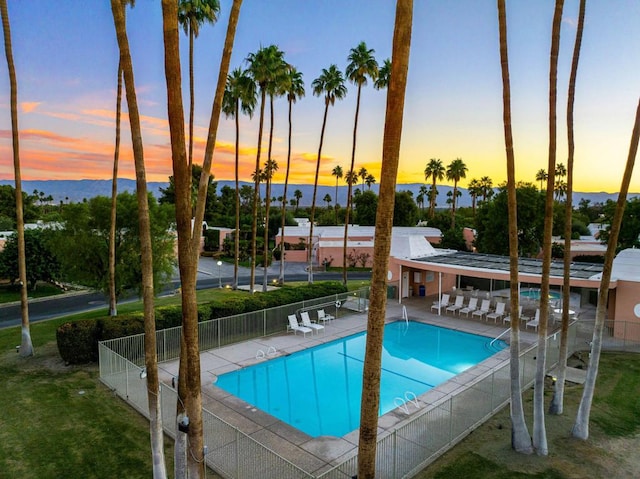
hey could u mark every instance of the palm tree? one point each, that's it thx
(475, 189)
(239, 96)
(434, 170)
(270, 167)
(486, 188)
(327, 200)
(384, 75)
(581, 426)
(337, 172)
(330, 83)
(113, 307)
(456, 170)
(370, 180)
(189, 381)
(560, 189)
(150, 355)
(520, 439)
(363, 173)
(384, 223)
(557, 402)
(362, 64)
(293, 87)
(264, 65)
(541, 176)
(191, 15)
(539, 429)
(297, 195)
(351, 178)
(26, 346)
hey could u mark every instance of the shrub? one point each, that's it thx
(168, 317)
(78, 341)
(120, 326)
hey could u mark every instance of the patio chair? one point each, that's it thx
(443, 303)
(484, 309)
(455, 306)
(470, 308)
(295, 327)
(507, 319)
(535, 322)
(324, 317)
(498, 313)
(306, 322)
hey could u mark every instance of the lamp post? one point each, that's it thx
(219, 274)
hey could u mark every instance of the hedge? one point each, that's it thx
(78, 341)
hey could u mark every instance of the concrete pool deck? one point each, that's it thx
(316, 455)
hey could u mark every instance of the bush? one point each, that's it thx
(121, 326)
(168, 317)
(78, 341)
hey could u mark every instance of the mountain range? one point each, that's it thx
(78, 190)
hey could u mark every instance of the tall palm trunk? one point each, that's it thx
(382, 246)
(336, 201)
(453, 204)
(189, 387)
(267, 200)
(539, 428)
(346, 217)
(26, 346)
(150, 357)
(581, 426)
(191, 93)
(315, 190)
(237, 171)
(557, 402)
(520, 439)
(284, 198)
(256, 195)
(113, 300)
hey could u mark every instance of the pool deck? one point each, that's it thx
(316, 455)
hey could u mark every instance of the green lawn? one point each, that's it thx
(9, 294)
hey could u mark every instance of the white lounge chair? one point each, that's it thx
(457, 305)
(295, 327)
(484, 309)
(470, 308)
(443, 303)
(306, 322)
(324, 317)
(535, 322)
(498, 313)
(507, 319)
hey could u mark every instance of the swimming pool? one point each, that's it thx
(535, 294)
(318, 390)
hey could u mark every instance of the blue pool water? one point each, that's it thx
(318, 390)
(535, 294)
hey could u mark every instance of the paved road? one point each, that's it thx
(210, 275)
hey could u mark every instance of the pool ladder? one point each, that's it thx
(409, 397)
(498, 337)
(405, 316)
(260, 354)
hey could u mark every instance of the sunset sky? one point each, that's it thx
(66, 59)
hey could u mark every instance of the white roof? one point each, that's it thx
(337, 232)
(411, 247)
(626, 265)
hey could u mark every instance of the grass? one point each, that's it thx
(11, 293)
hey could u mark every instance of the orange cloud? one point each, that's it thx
(29, 106)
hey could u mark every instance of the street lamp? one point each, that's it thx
(219, 274)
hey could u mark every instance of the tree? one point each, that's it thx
(629, 233)
(144, 233)
(366, 205)
(405, 212)
(541, 176)
(264, 65)
(330, 84)
(557, 402)
(26, 346)
(363, 173)
(189, 385)
(297, 195)
(384, 75)
(370, 180)
(434, 170)
(581, 426)
(327, 199)
(362, 65)
(42, 265)
(192, 14)
(474, 190)
(337, 172)
(520, 439)
(293, 87)
(377, 306)
(486, 188)
(270, 167)
(239, 96)
(456, 170)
